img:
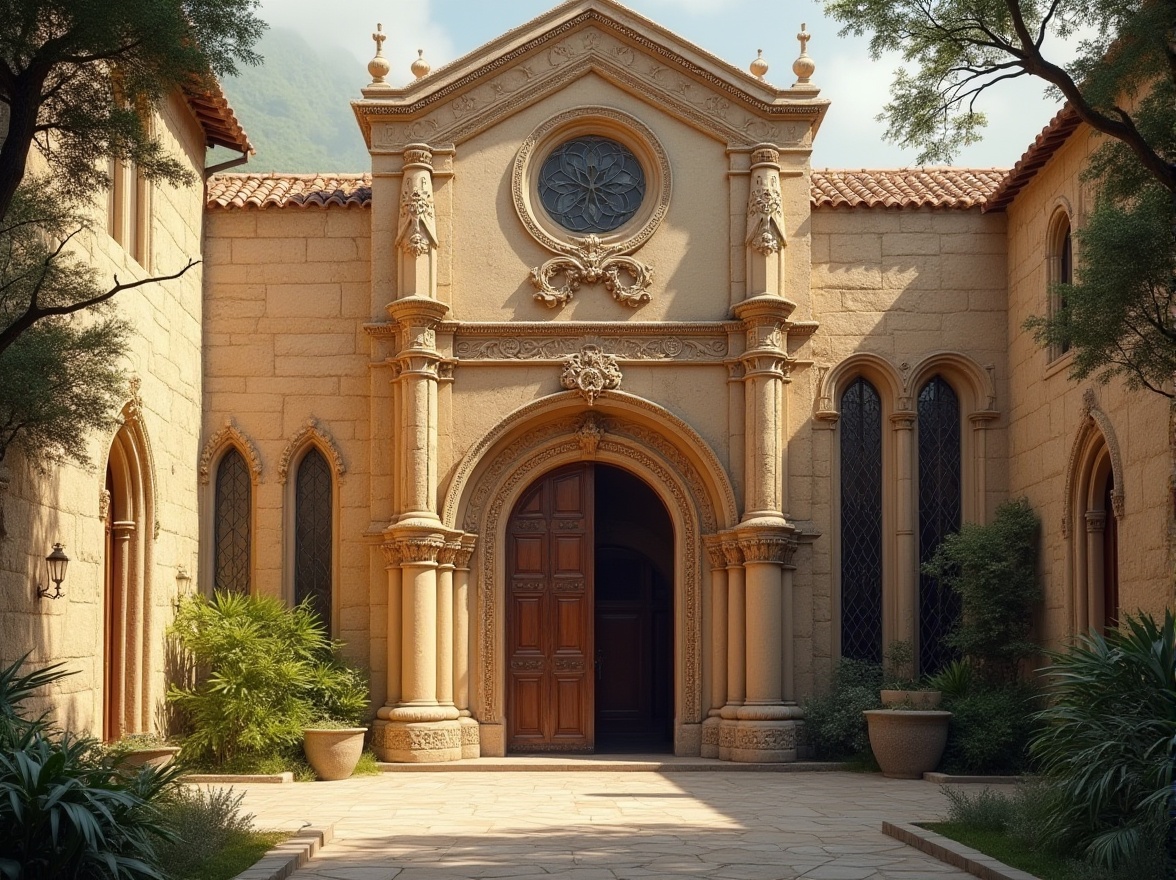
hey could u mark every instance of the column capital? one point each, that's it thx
(465, 550)
(732, 553)
(714, 550)
(903, 420)
(416, 543)
(1096, 520)
(765, 546)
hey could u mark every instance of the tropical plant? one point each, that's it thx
(264, 672)
(65, 810)
(1108, 737)
(834, 726)
(993, 569)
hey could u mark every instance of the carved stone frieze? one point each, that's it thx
(690, 343)
(591, 262)
(417, 737)
(591, 372)
(710, 735)
(765, 738)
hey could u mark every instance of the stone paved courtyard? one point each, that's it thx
(608, 825)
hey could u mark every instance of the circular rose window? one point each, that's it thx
(591, 184)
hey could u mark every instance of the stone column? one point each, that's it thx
(907, 594)
(422, 724)
(470, 740)
(120, 629)
(736, 647)
(1096, 523)
(445, 567)
(392, 567)
(718, 646)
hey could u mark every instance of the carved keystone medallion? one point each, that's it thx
(591, 372)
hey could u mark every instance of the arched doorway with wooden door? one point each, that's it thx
(589, 614)
(128, 700)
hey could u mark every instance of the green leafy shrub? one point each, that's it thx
(983, 809)
(834, 726)
(1107, 737)
(991, 728)
(993, 569)
(65, 810)
(264, 672)
(202, 823)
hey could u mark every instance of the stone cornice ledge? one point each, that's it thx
(953, 853)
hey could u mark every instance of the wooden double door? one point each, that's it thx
(587, 661)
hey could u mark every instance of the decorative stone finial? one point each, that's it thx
(420, 67)
(804, 67)
(759, 67)
(379, 66)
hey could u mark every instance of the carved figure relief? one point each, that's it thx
(417, 233)
(591, 372)
(765, 216)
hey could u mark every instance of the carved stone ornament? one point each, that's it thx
(591, 372)
(765, 216)
(311, 432)
(590, 434)
(230, 433)
(590, 262)
(417, 232)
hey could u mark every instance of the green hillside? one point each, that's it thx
(296, 107)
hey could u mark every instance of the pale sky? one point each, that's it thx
(731, 29)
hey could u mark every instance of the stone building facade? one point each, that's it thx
(594, 417)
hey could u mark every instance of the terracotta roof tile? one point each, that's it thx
(904, 188)
(207, 101)
(289, 190)
(1051, 139)
(949, 188)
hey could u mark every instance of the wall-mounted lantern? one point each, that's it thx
(57, 562)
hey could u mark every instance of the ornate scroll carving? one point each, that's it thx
(230, 433)
(626, 345)
(311, 431)
(589, 262)
(591, 372)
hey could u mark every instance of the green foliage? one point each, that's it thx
(954, 680)
(65, 810)
(900, 666)
(266, 672)
(202, 823)
(991, 727)
(993, 568)
(983, 808)
(274, 96)
(1108, 737)
(833, 722)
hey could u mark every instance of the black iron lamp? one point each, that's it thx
(57, 562)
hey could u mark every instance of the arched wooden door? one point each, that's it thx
(549, 615)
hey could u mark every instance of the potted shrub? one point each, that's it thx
(909, 735)
(333, 748)
(142, 750)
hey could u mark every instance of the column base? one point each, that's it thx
(765, 742)
(471, 745)
(417, 742)
(726, 737)
(710, 737)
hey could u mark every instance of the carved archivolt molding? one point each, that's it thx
(312, 432)
(901, 385)
(539, 453)
(716, 495)
(636, 342)
(1095, 424)
(592, 261)
(590, 373)
(229, 434)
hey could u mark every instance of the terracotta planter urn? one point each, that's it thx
(907, 743)
(894, 699)
(333, 753)
(148, 756)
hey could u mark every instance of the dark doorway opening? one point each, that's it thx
(633, 615)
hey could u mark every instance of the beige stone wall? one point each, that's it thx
(63, 505)
(287, 295)
(903, 286)
(1046, 411)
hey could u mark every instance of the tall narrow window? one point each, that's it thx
(861, 522)
(1061, 271)
(939, 514)
(234, 507)
(313, 534)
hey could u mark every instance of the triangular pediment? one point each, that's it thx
(575, 39)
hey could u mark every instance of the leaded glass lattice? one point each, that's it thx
(591, 184)
(313, 534)
(860, 427)
(233, 509)
(939, 515)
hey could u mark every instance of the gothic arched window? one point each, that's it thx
(313, 534)
(861, 522)
(939, 514)
(231, 524)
